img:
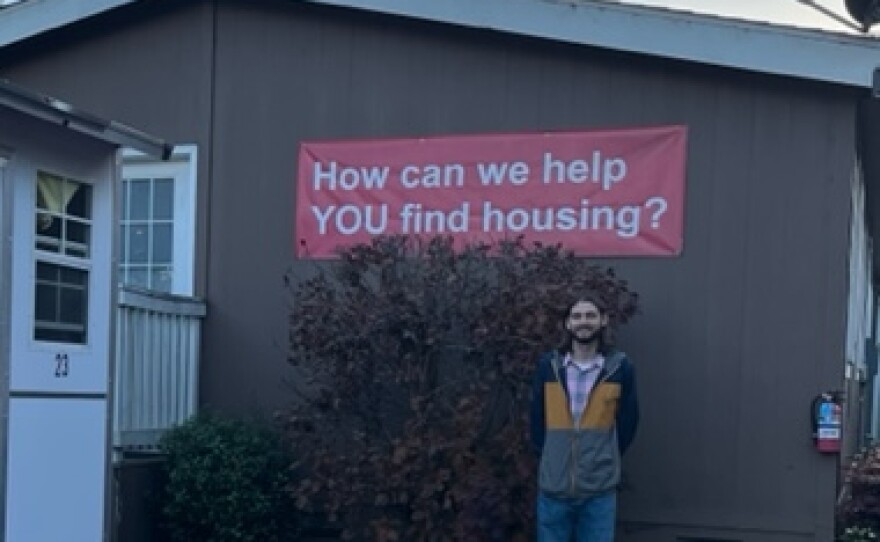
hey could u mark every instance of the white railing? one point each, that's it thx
(157, 364)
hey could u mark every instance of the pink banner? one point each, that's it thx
(599, 193)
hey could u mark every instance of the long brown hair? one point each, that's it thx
(605, 338)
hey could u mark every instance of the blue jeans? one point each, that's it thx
(591, 520)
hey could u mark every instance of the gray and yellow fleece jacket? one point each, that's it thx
(582, 461)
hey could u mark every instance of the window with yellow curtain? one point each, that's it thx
(63, 226)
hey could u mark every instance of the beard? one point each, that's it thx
(585, 339)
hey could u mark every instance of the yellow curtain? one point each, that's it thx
(53, 195)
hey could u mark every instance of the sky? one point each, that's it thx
(787, 12)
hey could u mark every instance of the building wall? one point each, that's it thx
(735, 337)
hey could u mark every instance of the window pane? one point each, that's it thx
(137, 276)
(139, 202)
(163, 199)
(162, 243)
(73, 277)
(138, 247)
(77, 239)
(48, 272)
(64, 208)
(46, 306)
(162, 278)
(78, 197)
(48, 231)
(60, 303)
(73, 306)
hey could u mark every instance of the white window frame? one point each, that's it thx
(183, 253)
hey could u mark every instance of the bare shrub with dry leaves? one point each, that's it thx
(417, 359)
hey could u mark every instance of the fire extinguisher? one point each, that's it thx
(827, 421)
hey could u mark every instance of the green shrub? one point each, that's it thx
(858, 534)
(225, 481)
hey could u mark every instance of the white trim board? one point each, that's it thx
(57, 112)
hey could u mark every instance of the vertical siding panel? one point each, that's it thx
(176, 357)
(765, 313)
(165, 366)
(130, 369)
(189, 402)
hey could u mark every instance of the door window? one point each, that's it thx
(63, 226)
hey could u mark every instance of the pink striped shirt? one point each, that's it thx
(581, 377)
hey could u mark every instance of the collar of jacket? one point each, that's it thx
(613, 361)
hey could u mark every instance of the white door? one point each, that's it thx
(60, 350)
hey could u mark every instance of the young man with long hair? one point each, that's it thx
(584, 417)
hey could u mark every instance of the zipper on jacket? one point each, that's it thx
(577, 428)
(572, 466)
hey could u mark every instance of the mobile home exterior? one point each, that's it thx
(770, 302)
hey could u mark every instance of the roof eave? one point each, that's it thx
(63, 114)
(746, 45)
(34, 17)
(751, 46)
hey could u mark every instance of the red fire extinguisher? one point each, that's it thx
(827, 418)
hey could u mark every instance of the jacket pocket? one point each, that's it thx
(599, 466)
(554, 472)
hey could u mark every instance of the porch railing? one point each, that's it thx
(157, 363)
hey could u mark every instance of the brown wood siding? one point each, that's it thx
(735, 336)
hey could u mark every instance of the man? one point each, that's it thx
(584, 417)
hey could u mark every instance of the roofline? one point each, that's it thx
(21, 21)
(707, 39)
(61, 113)
(745, 45)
